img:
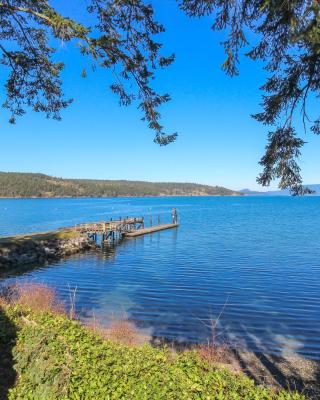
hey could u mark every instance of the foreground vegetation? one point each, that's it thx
(46, 355)
(14, 184)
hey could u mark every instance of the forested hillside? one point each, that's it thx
(13, 184)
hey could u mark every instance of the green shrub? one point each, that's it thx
(56, 358)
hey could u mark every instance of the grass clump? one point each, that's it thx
(120, 331)
(214, 353)
(39, 298)
(124, 332)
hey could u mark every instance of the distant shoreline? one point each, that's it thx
(35, 185)
(17, 185)
(150, 196)
(122, 197)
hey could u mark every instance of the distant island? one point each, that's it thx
(248, 192)
(36, 185)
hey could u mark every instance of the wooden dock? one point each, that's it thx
(116, 226)
(105, 231)
(151, 229)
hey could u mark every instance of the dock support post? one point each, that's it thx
(151, 220)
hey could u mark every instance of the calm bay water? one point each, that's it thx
(256, 259)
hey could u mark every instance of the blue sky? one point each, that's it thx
(218, 143)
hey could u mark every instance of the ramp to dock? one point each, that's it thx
(151, 229)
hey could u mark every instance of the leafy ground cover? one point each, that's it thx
(49, 356)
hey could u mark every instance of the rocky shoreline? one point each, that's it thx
(287, 370)
(39, 248)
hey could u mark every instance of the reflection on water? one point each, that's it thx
(255, 259)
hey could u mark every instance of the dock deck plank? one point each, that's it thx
(150, 229)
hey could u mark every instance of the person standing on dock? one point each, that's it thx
(174, 216)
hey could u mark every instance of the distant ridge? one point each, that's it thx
(251, 192)
(248, 192)
(33, 185)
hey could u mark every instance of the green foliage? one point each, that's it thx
(7, 341)
(39, 185)
(57, 358)
(122, 39)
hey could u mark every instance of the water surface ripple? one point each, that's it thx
(257, 258)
